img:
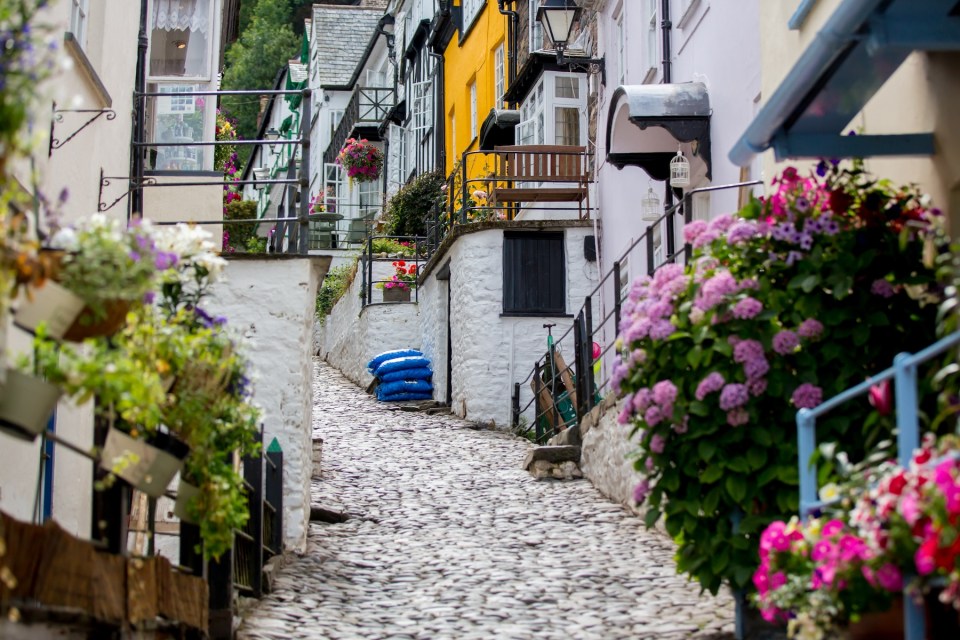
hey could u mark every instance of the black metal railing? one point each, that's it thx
(563, 392)
(377, 269)
(368, 107)
(290, 226)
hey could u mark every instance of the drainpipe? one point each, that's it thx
(666, 28)
(511, 39)
(139, 106)
(440, 153)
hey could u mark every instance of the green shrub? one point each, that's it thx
(335, 284)
(236, 237)
(411, 207)
(393, 247)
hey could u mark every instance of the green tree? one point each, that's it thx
(253, 61)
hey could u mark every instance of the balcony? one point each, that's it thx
(367, 108)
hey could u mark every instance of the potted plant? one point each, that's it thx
(26, 404)
(361, 160)
(799, 297)
(398, 288)
(106, 268)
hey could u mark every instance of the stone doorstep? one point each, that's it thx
(568, 437)
(553, 455)
(329, 514)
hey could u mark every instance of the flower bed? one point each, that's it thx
(799, 296)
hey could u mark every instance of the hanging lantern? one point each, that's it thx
(650, 206)
(679, 171)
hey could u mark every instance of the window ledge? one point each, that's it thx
(87, 70)
(467, 28)
(534, 314)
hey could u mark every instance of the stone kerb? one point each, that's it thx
(271, 302)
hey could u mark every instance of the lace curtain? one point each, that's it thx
(188, 15)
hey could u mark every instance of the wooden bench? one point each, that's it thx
(521, 172)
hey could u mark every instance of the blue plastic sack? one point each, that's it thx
(417, 373)
(390, 355)
(397, 397)
(398, 364)
(404, 386)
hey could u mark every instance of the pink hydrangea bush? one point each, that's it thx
(776, 312)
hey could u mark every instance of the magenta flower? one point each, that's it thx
(653, 416)
(810, 328)
(694, 230)
(665, 393)
(657, 443)
(785, 342)
(641, 491)
(711, 384)
(747, 308)
(747, 350)
(733, 396)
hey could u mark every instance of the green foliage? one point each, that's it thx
(412, 206)
(797, 299)
(256, 245)
(237, 236)
(252, 62)
(393, 247)
(334, 286)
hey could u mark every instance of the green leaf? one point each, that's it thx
(722, 346)
(719, 560)
(861, 334)
(761, 436)
(694, 356)
(711, 500)
(757, 457)
(706, 449)
(711, 474)
(674, 525)
(737, 487)
(698, 408)
(738, 464)
(810, 282)
(766, 476)
(651, 517)
(788, 474)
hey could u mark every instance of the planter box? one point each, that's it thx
(148, 468)
(67, 317)
(26, 404)
(396, 294)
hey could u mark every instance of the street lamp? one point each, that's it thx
(386, 27)
(260, 174)
(557, 17)
(271, 135)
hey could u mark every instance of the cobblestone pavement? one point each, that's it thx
(449, 538)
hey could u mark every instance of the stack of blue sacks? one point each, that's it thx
(403, 374)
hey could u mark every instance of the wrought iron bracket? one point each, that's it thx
(105, 182)
(56, 143)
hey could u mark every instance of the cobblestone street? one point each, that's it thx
(449, 538)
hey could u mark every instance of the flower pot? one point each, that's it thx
(396, 294)
(53, 304)
(26, 404)
(90, 324)
(147, 467)
(880, 625)
(185, 493)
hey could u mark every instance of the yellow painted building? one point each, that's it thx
(475, 72)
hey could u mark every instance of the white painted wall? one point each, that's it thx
(271, 301)
(604, 461)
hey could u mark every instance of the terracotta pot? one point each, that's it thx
(881, 625)
(147, 467)
(396, 294)
(26, 404)
(90, 324)
(185, 493)
(53, 304)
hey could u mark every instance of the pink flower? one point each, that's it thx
(653, 416)
(810, 328)
(682, 427)
(641, 491)
(889, 577)
(733, 396)
(657, 443)
(693, 230)
(785, 342)
(738, 417)
(712, 383)
(665, 393)
(831, 528)
(747, 308)
(882, 288)
(881, 397)
(746, 350)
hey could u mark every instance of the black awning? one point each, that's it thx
(499, 128)
(647, 123)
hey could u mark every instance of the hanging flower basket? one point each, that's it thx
(148, 466)
(26, 404)
(361, 160)
(51, 303)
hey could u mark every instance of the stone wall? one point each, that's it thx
(604, 459)
(352, 334)
(271, 301)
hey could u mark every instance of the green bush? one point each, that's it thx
(238, 236)
(393, 247)
(411, 207)
(335, 284)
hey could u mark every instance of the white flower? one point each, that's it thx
(65, 238)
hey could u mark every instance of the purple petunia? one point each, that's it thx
(734, 395)
(785, 342)
(710, 384)
(807, 396)
(747, 308)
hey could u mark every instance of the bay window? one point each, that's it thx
(181, 38)
(555, 111)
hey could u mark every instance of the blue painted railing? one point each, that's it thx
(904, 376)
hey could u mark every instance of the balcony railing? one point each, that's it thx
(368, 107)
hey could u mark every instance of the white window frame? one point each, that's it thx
(79, 18)
(499, 75)
(651, 48)
(658, 252)
(536, 29)
(621, 48)
(421, 107)
(538, 111)
(369, 198)
(471, 9)
(336, 115)
(473, 110)
(210, 59)
(376, 78)
(334, 187)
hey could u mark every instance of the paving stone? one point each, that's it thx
(449, 537)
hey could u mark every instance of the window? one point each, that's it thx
(650, 50)
(621, 50)
(536, 29)
(499, 76)
(369, 198)
(658, 257)
(333, 183)
(473, 110)
(625, 277)
(471, 8)
(336, 115)
(176, 118)
(397, 161)
(567, 126)
(563, 120)
(78, 21)
(376, 78)
(534, 273)
(180, 39)
(532, 123)
(422, 102)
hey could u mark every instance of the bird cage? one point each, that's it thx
(650, 206)
(679, 170)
